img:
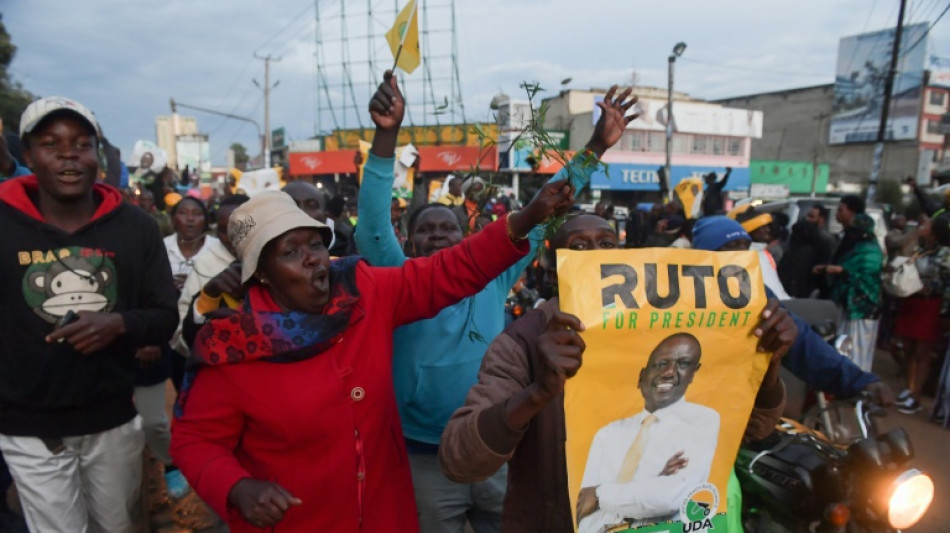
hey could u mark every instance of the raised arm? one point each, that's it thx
(423, 286)
(607, 132)
(375, 239)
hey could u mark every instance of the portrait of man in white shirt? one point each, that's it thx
(640, 468)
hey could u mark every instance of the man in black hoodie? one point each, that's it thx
(84, 281)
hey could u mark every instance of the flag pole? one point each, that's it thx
(402, 40)
(396, 61)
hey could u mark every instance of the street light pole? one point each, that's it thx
(677, 51)
(175, 105)
(267, 88)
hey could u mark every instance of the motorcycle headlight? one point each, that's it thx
(844, 345)
(911, 495)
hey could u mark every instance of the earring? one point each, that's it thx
(263, 281)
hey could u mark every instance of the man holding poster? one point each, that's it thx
(516, 411)
(683, 304)
(640, 467)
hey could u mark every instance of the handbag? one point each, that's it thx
(903, 279)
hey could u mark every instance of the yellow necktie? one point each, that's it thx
(632, 460)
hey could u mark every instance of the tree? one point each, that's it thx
(13, 97)
(240, 156)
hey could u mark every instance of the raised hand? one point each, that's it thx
(613, 120)
(561, 349)
(261, 503)
(555, 198)
(387, 106)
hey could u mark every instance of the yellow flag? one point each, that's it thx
(405, 33)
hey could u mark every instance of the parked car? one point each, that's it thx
(797, 208)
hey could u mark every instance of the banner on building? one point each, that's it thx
(457, 158)
(330, 162)
(939, 68)
(702, 118)
(622, 176)
(656, 413)
(860, 78)
(445, 135)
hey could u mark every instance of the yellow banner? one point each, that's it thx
(656, 413)
(451, 135)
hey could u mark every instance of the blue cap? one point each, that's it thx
(712, 233)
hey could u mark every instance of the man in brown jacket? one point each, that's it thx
(515, 412)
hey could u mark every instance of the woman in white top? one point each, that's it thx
(191, 222)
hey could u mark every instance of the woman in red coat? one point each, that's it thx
(290, 420)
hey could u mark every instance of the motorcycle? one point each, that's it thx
(797, 480)
(833, 472)
(819, 411)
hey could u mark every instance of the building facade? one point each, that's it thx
(796, 128)
(708, 137)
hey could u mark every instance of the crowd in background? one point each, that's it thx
(233, 296)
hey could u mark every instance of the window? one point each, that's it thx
(699, 144)
(634, 141)
(735, 146)
(937, 98)
(718, 145)
(681, 143)
(657, 141)
(933, 127)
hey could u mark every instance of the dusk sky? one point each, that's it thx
(125, 60)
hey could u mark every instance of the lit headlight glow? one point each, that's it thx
(911, 495)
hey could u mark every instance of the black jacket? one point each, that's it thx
(116, 263)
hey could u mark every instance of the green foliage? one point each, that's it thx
(13, 97)
(542, 144)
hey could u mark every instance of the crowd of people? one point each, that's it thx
(333, 376)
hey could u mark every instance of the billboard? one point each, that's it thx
(796, 176)
(193, 151)
(694, 117)
(860, 77)
(645, 176)
(939, 68)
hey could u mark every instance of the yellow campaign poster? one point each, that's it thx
(657, 411)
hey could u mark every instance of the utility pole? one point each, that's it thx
(666, 185)
(886, 106)
(267, 88)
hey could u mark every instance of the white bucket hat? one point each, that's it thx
(263, 218)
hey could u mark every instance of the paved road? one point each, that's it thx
(931, 447)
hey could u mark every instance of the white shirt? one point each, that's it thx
(213, 258)
(179, 264)
(649, 497)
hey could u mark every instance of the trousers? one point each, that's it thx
(90, 483)
(150, 403)
(445, 506)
